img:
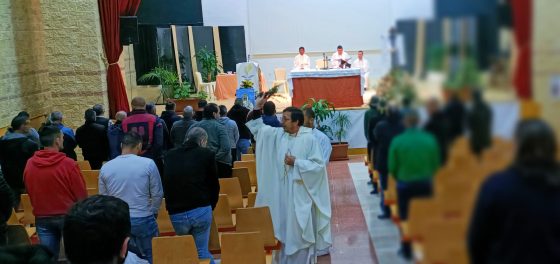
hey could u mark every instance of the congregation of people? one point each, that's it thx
(141, 157)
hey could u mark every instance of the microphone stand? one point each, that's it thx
(325, 66)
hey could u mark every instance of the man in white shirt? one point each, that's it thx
(363, 65)
(301, 61)
(339, 59)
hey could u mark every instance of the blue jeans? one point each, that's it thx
(195, 222)
(143, 229)
(242, 147)
(49, 230)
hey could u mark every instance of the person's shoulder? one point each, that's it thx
(498, 181)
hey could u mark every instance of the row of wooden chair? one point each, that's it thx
(437, 226)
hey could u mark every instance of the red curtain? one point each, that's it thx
(110, 12)
(522, 23)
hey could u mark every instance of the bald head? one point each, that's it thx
(120, 115)
(138, 103)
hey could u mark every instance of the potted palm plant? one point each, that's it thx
(323, 110)
(181, 93)
(340, 124)
(209, 64)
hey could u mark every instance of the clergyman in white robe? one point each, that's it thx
(302, 62)
(363, 65)
(325, 142)
(336, 58)
(298, 196)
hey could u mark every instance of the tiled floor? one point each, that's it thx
(351, 239)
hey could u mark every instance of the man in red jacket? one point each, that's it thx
(54, 183)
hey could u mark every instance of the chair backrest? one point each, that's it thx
(251, 198)
(198, 80)
(84, 165)
(320, 64)
(91, 177)
(247, 157)
(163, 220)
(242, 248)
(280, 74)
(214, 241)
(174, 250)
(420, 213)
(243, 175)
(252, 166)
(222, 212)
(28, 217)
(256, 219)
(13, 220)
(232, 188)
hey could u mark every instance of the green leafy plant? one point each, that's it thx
(247, 84)
(399, 87)
(467, 76)
(201, 95)
(169, 81)
(340, 124)
(209, 64)
(323, 110)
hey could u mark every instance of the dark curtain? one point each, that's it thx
(522, 16)
(110, 12)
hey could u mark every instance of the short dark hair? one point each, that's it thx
(202, 103)
(360, 51)
(301, 48)
(95, 229)
(169, 106)
(48, 134)
(18, 121)
(90, 115)
(98, 108)
(209, 111)
(295, 114)
(151, 108)
(309, 112)
(30, 254)
(339, 47)
(269, 108)
(223, 110)
(131, 139)
(24, 113)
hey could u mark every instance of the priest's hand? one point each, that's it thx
(259, 103)
(289, 160)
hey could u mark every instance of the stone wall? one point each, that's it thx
(546, 58)
(75, 57)
(24, 69)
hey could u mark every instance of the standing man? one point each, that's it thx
(238, 113)
(324, 140)
(218, 140)
(148, 127)
(92, 139)
(136, 181)
(363, 65)
(232, 130)
(99, 118)
(293, 184)
(54, 182)
(115, 135)
(15, 149)
(169, 115)
(302, 61)
(339, 59)
(180, 128)
(69, 138)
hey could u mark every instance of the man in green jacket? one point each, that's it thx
(413, 161)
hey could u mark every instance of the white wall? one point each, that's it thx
(275, 29)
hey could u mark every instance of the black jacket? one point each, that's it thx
(198, 115)
(384, 133)
(239, 114)
(92, 138)
(15, 150)
(438, 126)
(479, 121)
(169, 117)
(456, 114)
(190, 179)
(102, 121)
(6, 204)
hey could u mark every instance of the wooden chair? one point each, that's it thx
(247, 157)
(420, 213)
(231, 187)
(84, 165)
(165, 226)
(252, 166)
(242, 248)
(91, 177)
(257, 219)
(13, 220)
(280, 79)
(445, 242)
(222, 214)
(28, 217)
(175, 250)
(214, 242)
(251, 199)
(243, 175)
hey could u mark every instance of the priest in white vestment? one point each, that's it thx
(302, 61)
(363, 65)
(324, 140)
(339, 58)
(293, 183)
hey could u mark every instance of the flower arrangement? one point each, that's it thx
(246, 84)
